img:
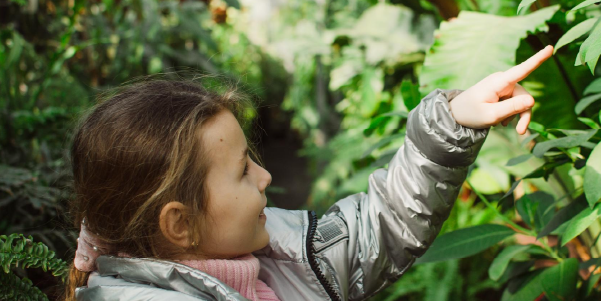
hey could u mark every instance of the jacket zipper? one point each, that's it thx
(313, 261)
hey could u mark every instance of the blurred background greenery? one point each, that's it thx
(335, 80)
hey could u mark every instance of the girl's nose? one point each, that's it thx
(265, 179)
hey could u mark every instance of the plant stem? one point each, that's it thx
(552, 252)
(545, 40)
(499, 214)
(524, 231)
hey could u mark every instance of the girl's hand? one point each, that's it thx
(498, 97)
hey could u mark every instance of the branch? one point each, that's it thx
(447, 9)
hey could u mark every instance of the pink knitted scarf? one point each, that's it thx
(242, 274)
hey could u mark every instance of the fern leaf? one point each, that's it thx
(16, 249)
(14, 288)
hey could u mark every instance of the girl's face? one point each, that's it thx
(235, 223)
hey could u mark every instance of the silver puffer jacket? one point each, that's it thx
(362, 244)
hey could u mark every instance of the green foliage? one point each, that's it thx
(465, 242)
(350, 72)
(15, 288)
(499, 265)
(558, 162)
(580, 222)
(57, 56)
(592, 177)
(373, 81)
(17, 250)
(488, 45)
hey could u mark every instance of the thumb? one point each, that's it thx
(512, 106)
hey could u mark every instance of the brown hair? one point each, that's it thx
(135, 152)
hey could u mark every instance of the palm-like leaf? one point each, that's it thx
(475, 45)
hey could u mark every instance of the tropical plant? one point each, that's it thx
(541, 255)
(357, 123)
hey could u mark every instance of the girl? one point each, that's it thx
(172, 207)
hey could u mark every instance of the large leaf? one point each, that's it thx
(475, 45)
(593, 87)
(564, 142)
(585, 4)
(559, 282)
(592, 177)
(525, 287)
(580, 222)
(410, 93)
(544, 211)
(525, 4)
(526, 209)
(465, 242)
(390, 32)
(562, 216)
(575, 33)
(535, 209)
(585, 102)
(499, 265)
(590, 50)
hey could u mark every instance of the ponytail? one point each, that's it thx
(76, 279)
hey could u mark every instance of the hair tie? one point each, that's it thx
(89, 247)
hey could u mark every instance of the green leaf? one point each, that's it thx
(483, 180)
(584, 4)
(476, 45)
(370, 89)
(233, 3)
(14, 288)
(559, 281)
(544, 210)
(585, 102)
(592, 177)
(590, 50)
(410, 93)
(384, 158)
(525, 4)
(537, 127)
(384, 141)
(564, 142)
(593, 87)
(580, 222)
(375, 124)
(564, 215)
(499, 264)
(525, 287)
(575, 32)
(401, 114)
(465, 242)
(589, 122)
(519, 159)
(528, 139)
(515, 269)
(591, 262)
(526, 208)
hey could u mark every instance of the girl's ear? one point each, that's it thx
(173, 221)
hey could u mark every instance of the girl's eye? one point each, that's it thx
(246, 169)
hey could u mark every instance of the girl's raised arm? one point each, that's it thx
(379, 234)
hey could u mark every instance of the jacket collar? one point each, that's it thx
(168, 275)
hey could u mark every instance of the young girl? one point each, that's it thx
(172, 207)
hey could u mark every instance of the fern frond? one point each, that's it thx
(14, 288)
(16, 249)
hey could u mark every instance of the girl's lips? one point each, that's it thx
(262, 215)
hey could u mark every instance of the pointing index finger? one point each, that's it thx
(521, 71)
